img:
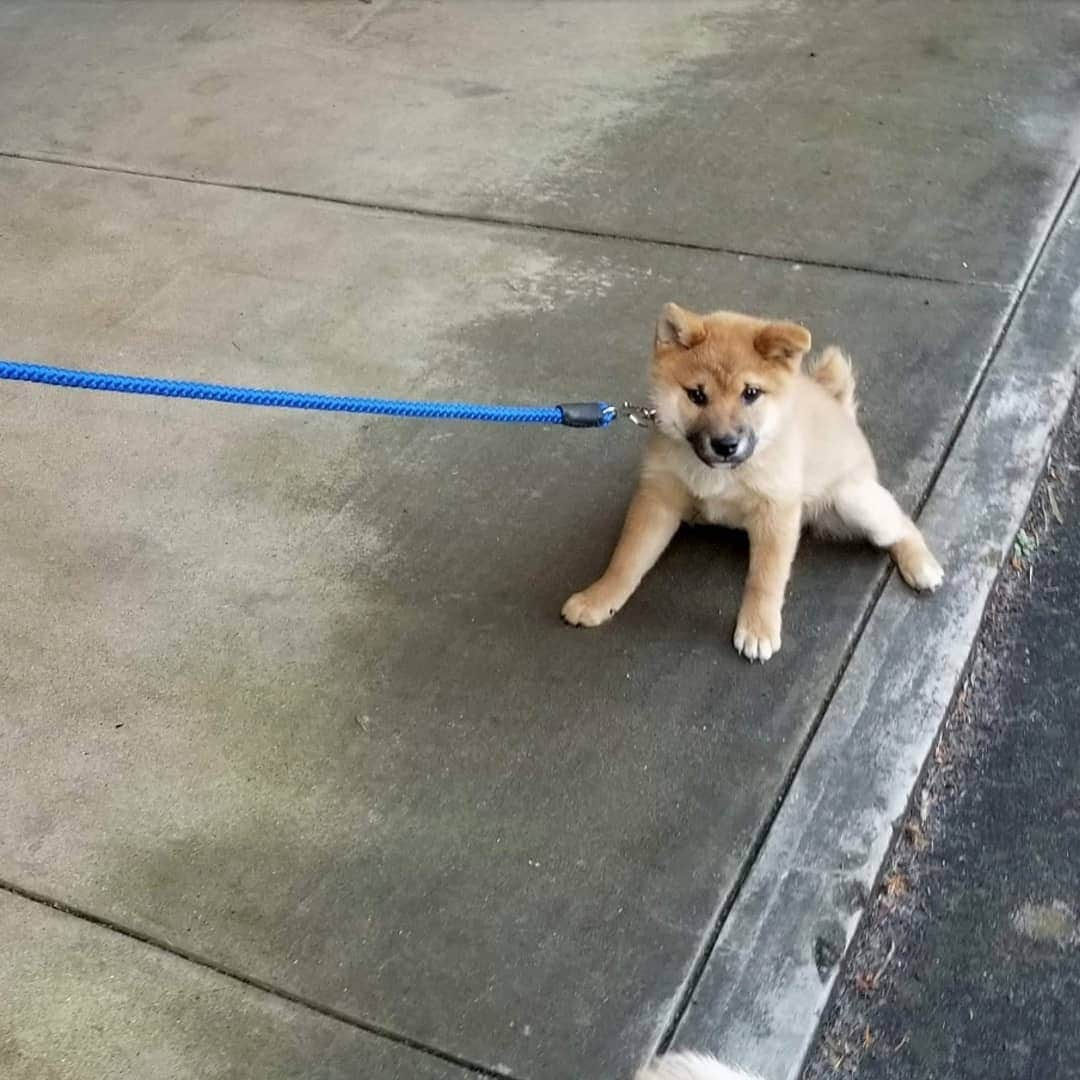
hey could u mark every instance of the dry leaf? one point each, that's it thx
(1054, 508)
(839, 1052)
(896, 884)
(915, 835)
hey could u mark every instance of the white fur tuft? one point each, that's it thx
(690, 1067)
(834, 372)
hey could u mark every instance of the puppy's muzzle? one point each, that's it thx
(726, 448)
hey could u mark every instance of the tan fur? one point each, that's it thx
(797, 456)
(833, 371)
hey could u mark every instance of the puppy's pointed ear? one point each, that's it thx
(786, 343)
(677, 326)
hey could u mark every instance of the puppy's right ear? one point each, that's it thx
(677, 326)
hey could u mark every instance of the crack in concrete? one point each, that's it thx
(502, 221)
(257, 984)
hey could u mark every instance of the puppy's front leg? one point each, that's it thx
(774, 536)
(652, 520)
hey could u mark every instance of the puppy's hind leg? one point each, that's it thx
(869, 510)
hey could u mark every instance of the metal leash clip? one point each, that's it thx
(641, 415)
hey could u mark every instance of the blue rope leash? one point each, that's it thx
(584, 414)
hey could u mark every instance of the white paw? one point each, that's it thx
(923, 572)
(757, 635)
(591, 607)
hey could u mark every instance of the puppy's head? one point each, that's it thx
(720, 381)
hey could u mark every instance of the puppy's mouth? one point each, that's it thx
(717, 450)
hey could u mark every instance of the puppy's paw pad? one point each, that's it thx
(587, 609)
(757, 637)
(922, 572)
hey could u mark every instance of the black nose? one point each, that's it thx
(724, 445)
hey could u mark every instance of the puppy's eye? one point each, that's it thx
(697, 395)
(751, 394)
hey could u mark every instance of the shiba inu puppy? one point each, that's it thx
(746, 436)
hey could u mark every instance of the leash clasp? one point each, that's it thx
(641, 415)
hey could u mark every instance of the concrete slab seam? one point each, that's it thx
(34, 896)
(498, 221)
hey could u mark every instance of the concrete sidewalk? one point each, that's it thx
(293, 733)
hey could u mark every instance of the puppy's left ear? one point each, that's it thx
(785, 342)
